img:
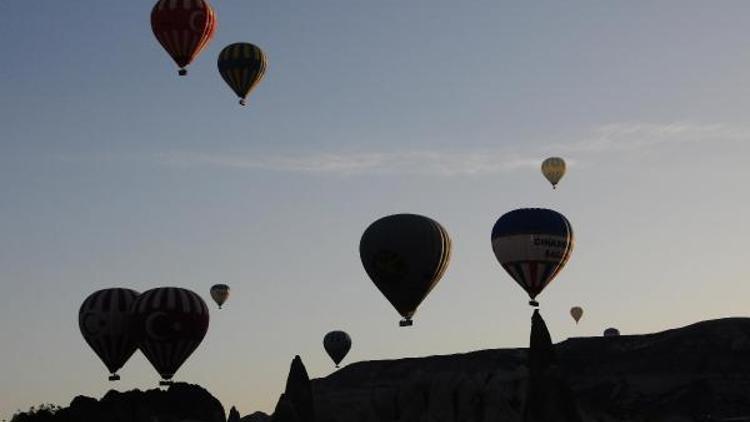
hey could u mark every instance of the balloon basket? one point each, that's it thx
(114, 377)
(534, 303)
(165, 383)
(182, 72)
(405, 323)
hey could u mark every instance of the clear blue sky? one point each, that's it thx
(116, 172)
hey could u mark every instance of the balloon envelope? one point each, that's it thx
(106, 322)
(553, 169)
(611, 332)
(532, 245)
(220, 294)
(172, 323)
(405, 255)
(576, 312)
(337, 344)
(183, 28)
(242, 66)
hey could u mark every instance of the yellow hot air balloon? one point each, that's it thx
(576, 312)
(553, 169)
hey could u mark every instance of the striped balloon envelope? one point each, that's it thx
(171, 323)
(242, 66)
(106, 322)
(532, 245)
(184, 28)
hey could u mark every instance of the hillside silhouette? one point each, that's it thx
(696, 373)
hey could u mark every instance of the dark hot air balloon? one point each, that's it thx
(106, 322)
(183, 28)
(172, 323)
(576, 312)
(337, 345)
(611, 332)
(220, 294)
(405, 255)
(532, 245)
(242, 66)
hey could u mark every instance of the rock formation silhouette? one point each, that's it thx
(234, 415)
(696, 373)
(256, 417)
(296, 403)
(548, 397)
(687, 374)
(181, 402)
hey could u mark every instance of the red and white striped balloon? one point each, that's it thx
(183, 28)
(171, 323)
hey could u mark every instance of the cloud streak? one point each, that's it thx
(446, 163)
(597, 142)
(634, 136)
(600, 140)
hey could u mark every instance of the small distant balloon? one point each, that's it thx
(183, 28)
(576, 312)
(337, 344)
(405, 255)
(220, 294)
(611, 332)
(532, 245)
(553, 169)
(242, 66)
(106, 322)
(171, 323)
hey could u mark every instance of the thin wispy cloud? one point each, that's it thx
(632, 136)
(408, 162)
(601, 140)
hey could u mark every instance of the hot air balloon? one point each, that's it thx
(242, 66)
(576, 312)
(611, 332)
(220, 294)
(337, 345)
(405, 255)
(106, 322)
(171, 323)
(553, 169)
(183, 28)
(532, 245)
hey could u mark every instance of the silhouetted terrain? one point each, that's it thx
(181, 402)
(695, 373)
(681, 374)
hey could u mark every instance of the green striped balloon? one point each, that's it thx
(242, 66)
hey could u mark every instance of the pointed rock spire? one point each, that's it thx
(299, 391)
(234, 415)
(284, 411)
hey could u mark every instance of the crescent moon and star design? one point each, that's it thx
(161, 326)
(93, 324)
(194, 17)
(155, 328)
